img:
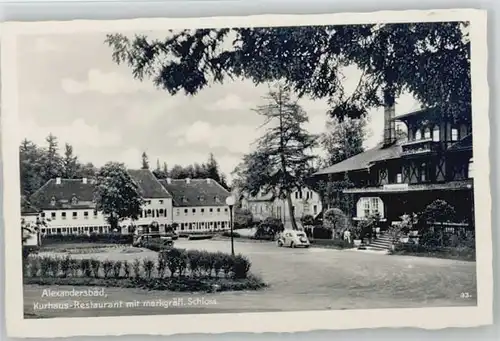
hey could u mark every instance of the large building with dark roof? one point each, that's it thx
(69, 207)
(198, 204)
(403, 176)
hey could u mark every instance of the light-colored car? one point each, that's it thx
(293, 238)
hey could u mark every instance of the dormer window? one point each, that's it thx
(184, 199)
(53, 201)
(427, 133)
(217, 199)
(201, 198)
(74, 200)
(418, 135)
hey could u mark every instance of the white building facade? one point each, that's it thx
(68, 206)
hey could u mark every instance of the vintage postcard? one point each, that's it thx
(273, 173)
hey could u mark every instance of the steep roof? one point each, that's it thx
(63, 194)
(149, 186)
(364, 160)
(195, 192)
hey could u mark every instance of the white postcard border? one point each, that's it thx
(430, 318)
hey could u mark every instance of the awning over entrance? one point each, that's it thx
(405, 188)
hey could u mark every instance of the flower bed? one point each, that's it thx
(174, 269)
(108, 238)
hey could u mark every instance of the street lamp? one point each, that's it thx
(230, 202)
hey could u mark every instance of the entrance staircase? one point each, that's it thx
(382, 243)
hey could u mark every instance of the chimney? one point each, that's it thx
(209, 181)
(389, 115)
(188, 180)
(58, 181)
(169, 181)
(84, 181)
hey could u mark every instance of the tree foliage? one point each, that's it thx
(38, 164)
(438, 211)
(116, 194)
(210, 169)
(144, 161)
(343, 139)
(282, 160)
(431, 60)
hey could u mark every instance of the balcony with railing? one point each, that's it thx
(419, 147)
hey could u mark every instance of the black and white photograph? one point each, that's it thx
(182, 170)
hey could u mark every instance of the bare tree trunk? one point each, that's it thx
(291, 211)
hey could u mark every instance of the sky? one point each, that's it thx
(70, 87)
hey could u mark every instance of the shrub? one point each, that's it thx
(228, 234)
(242, 218)
(161, 266)
(148, 266)
(54, 266)
(207, 261)
(227, 265)
(334, 219)
(75, 267)
(127, 269)
(107, 267)
(218, 258)
(34, 266)
(320, 232)
(438, 211)
(241, 266)
(95, 266)
(66, 266)
(117, 269)
(194, 259)
(137, 268)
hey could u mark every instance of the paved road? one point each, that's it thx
(302, 279)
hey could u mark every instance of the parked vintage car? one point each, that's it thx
(142, 239)
(293, 238)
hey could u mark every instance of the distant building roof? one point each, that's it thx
(149, 186)
(195, 192)
(364, 160)
(55, 195)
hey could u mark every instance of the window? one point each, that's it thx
(315, 209)
(52, 215)
(369, 206)
(202, 210)
(418, 135)
(435, 134)
(75, 215)
(423, 172)
(42, 214)
(211, 210)
(194, 210)
(95, 213)
(454, 134)
(85, 215)
(300, 194)
(185, 211)
(470, 172)
(225, 210)
(399, 178)
(63, 215)
(296, 195)
(427, 133)
(161, 202)
(218, 210)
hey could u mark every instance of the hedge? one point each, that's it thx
(336, 243)
(108, 238)
(412, 249)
